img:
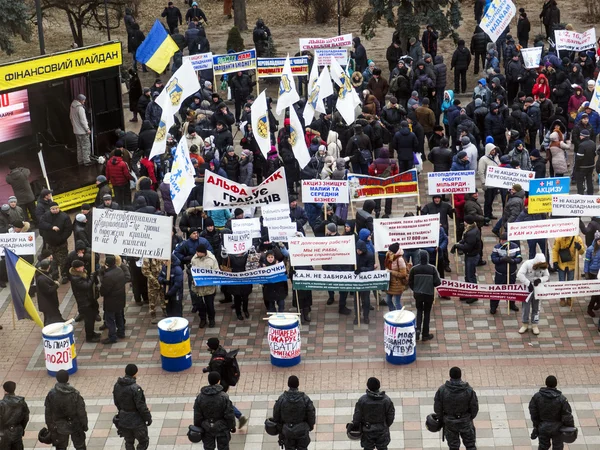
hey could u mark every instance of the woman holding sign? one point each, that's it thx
(396, 266)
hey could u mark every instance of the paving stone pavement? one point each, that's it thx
(337, 358)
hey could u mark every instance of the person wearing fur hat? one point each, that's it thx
(531, 273)
(15, 213)
(82, 284)
(56, 228)
(295, 413)
(374, 412)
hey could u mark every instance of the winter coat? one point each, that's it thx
(146, 137)
(376, 409)
(426, 118)
(485, 162)
(522, 156)
(424, 277)
(396, 266)
(191, 218)
(533, 269)
(139, 205)
(549, 411)
(562, 243)
(222, 139)
(501, 251)
(78, 118)
(117, 171)
(444, 209)
(441, 73)
(294, 407)
(379, 88)
(213, 411)
(405, 143)
(456, 403)
(60, 220)
(590, 230)
(14, 416)
(585, 156)
(513, 207)
(187, 249)
(205, 262)
(153, 113)
(494, 125)
(359, 55)
(441, 158)
(143, 186)
(246, 171)
(557, 150)
(461, 58)
(539, 87)
(18, 179)
(47, 298)
(365, 262)
(471, 243)
(131, 403)
(241, 86)
(65, 410)
(591, 263)
(458, 165)
(165, 194)
(379, 166)
(174, 284)
(539, 167)
(112, 288)
(82, 284)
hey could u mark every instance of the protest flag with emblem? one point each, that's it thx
(182, 178)
(259, 116)
(288, 95)
(595, 101)
(325, 89)
(313, 95)
(347, 97)
(160, 139)
(157, 48)
(183, 84)
(297, 140)
(20, 274)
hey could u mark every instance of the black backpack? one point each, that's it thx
(364, 154)
(231, 370)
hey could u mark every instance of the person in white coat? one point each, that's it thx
(81, 130)
(531, 273)
(471, 150)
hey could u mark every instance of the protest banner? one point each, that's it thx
(282, 230)
(576, 205)
(461, 182)
(532, 57)
(541, 191)
(322, 280)
(129, 233)
(399, 341)
(221, 193)
(200, 61)
(543, 229)
(409, 232)
(237, 243)
(234, 62)
(273, 67)
(363, 187)
(322, 251)
(284, 343)
(595, 101)
(262, 275)
(323, 56)
(564, 289)
(58, 353)
(497, 17)
(344, 40)
(512, 292)
(242, 226)
(574, 41)
(274, 213)
(20, 243)
(502, 177)
(325, 191)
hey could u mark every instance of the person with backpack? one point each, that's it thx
(226, 365)
(383, 167)
(360, 151)
(295, 414)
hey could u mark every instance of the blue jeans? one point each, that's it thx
(115, 322)
(237, 412)
(393, 305)
(497, 225)
(565, 275)
(470, 268)
(412, 255)
(532, 246)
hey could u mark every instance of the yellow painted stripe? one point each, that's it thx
(175, 350)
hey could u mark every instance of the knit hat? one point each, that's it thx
(52, 204)
(332, 227)
(465, 140)
(213, 343)
(80, 245)
(518, 142)
(393, 100)
(425, 101)
(293, 382)
(44, 264)
(461, 155)
(18, 224)
(77, 264)
(373, 384)
(208, 222)
(131, 370)
(394, 247)
(237, 212)
(5, 207)
(535, 153)
(470, 220)
(517, 188)
(80, 218)
(12, 198)
(583, 132)
(489, 140)
(107, 197)
(478, 102)
(110, 260)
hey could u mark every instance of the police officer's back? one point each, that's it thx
(134, 415)
(550, 410)
(65, 414)
(375, 413)
(213, 412)
(14, 416)
(295, 413)
(456, 402)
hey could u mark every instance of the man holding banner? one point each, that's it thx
(505, 256)
(365, 262)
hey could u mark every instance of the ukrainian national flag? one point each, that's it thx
(157, 48)
(20, 273)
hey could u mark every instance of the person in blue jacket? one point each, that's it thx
(591, 266)
(173, 286)
(187, 249)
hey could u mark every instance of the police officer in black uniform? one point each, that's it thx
(14, 414)
(374, 412)
(295, 413)
(456, 402)
(134, 415)
(549, 411)
(65, 414)
(213, 412)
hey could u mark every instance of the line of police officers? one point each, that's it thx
(294, 415)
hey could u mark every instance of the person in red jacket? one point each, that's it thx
(383, 167)
(541, 86)
(117, 173)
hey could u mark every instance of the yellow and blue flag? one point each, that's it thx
(20, 273)
(157, 48)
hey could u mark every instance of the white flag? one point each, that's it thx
(182, 177)
(297, 140)
(497, 18)
(288, 95)
(595, 100)
(160, 140)
(325, 89)
(313, 95)
(347, 96)
(181, 85)
(259, 115)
